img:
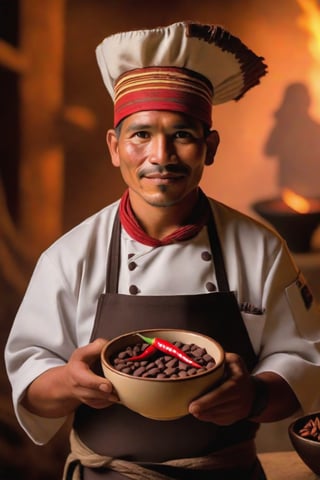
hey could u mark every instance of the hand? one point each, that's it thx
(82, 383)
(60, 390)
(229, 402)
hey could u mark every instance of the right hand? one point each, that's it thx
(89, 388)
(60, 390)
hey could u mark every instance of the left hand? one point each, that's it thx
(229, 402)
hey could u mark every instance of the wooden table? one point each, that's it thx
(285, 466)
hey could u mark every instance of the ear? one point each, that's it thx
(213, 141)
(113, 146)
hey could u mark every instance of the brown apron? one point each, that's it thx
(117, 431)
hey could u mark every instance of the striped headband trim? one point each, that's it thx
(163, 88)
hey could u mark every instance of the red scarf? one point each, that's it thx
(198, 219)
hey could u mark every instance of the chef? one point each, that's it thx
(166, 256)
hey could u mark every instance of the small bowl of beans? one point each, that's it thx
(157, 373)
(304, 433)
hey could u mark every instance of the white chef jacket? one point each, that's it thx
(58, 310)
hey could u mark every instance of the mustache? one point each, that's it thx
(163, 170)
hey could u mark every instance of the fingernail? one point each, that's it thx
(194, 410)
(104, 387)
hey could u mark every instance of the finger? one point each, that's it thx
(108, 388)
(235, 364)
(88, 379)
(219, 395)
(225, 394)
(210, 400)
(97, 399)
(98, 404)
(80, 375)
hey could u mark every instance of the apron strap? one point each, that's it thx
(218, 260)
(113, 264)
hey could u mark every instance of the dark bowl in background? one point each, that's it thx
(296, 228)
(308, 450)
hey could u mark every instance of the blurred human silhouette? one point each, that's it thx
(295, 141)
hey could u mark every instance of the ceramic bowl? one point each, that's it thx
(162, 399)
(307, 449)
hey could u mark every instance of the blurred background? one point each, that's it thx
(54, 165)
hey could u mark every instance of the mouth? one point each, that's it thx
(163, 175)
(164, 178)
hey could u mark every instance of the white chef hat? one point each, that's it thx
(185, 67)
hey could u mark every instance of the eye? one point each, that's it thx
(142, 134)
(185, 136)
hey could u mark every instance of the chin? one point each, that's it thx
(164, 197)
(161, 202)
(159, 198)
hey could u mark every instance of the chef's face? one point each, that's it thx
(161, 155)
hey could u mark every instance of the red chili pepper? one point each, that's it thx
(147, 352)
(169, 348)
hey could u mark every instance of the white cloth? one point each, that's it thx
(57, 313)
(209, 50)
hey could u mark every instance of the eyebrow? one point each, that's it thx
(134, 127)
(184, 125)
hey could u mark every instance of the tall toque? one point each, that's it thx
(185, 67)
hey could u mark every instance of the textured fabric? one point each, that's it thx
(133, 228)
(229, 67)
(240, 456)
(170, 89)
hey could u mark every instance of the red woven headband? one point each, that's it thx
(163, 88)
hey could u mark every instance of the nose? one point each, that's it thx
(162, 150)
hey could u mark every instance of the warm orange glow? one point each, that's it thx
(12, 58)
(80, 116)
(310, 21)
(295, 201)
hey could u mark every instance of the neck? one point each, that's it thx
(158, 222)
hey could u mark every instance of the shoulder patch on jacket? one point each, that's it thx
(304, 308)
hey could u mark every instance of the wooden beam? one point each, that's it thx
(41, 93)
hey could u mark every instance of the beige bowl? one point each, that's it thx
(308, 450)
(162, 399)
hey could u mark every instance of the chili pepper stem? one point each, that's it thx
(146, 339)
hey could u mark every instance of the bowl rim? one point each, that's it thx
(219, 363)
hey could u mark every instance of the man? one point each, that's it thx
(166, 244)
